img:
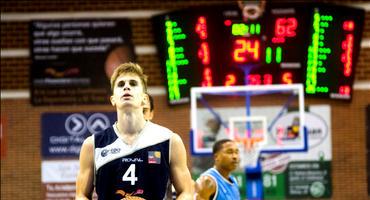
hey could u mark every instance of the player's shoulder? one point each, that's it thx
(154, 134)
(89, 140)
(209, 180)
(206, 183)
(156, 128)
(88, 143)
(159, 131)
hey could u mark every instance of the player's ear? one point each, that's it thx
(215, 157)
(112, 101)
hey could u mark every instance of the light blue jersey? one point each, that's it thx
(225, 189)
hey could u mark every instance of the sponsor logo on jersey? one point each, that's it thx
(132, 160)
(131, 195)
(105, 152)
(154, 157)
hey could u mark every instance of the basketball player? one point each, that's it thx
(135, 158)
(149, 108)
(217, 183)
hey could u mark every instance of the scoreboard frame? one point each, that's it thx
(315, 44)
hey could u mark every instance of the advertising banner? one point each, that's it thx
(302, 175)
(64, 133)
(59, 178)
(72, 60)
(62, 138)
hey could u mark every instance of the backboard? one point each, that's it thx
(276, 112)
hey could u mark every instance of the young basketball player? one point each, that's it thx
(216, 182)
(135, 158)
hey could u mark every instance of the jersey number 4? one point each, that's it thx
(130, 174)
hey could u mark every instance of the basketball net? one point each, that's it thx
(251, 149)
(251, 138)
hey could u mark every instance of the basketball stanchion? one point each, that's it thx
(251, 134)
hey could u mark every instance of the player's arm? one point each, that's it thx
(180, 174)
(84, 183)
(205, 187)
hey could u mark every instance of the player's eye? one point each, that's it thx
(121, 84)
(229, 151)
(133, 83)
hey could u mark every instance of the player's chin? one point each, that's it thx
(234, 165)
(126, 105)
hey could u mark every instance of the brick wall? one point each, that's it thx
(20, 168)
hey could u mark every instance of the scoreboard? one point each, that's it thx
(313, 44)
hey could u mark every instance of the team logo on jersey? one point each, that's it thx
(131, 195)
(105, 152)
(154, 157)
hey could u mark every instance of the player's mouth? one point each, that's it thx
(235, 163)
(126, 96)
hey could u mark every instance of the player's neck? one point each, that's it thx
(224, 173)
(130, 123)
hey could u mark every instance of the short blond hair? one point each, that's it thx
(126, 68)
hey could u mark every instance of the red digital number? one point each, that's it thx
(201, 28)
(284, 27)
(230, 80)
(346, 56)
(254, 79)
(267, 79)
(203, 53)
(246, 50)
(207, 77)
(287, 78)
(349, 25)
(257, 79)
(344, 90)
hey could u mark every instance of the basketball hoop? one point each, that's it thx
(250, 133)
(251, 150)
(252, 10)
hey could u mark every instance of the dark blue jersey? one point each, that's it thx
(138, 170)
